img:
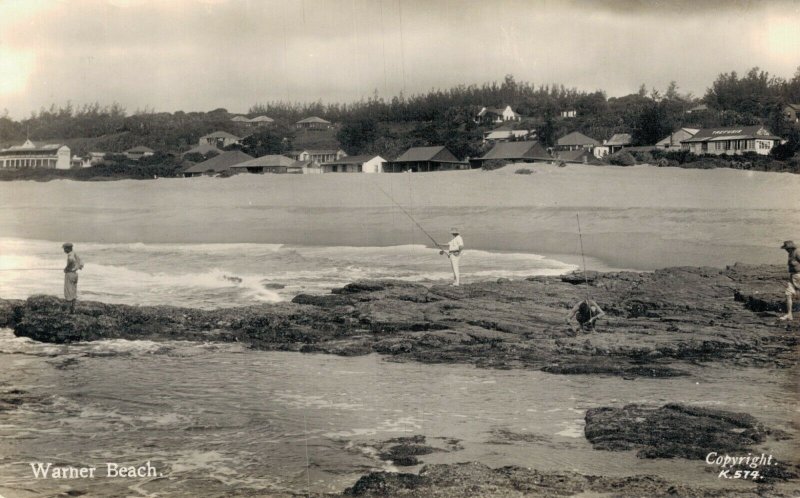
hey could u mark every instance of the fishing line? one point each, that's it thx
(407, 213)
(583, 257)
(30, 269)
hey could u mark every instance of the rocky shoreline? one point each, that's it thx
(661, 324)
(657, 324)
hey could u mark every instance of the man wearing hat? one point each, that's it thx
(71, 276)
(453, 251)
(793, 286)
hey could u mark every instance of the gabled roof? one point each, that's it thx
(219, 163)
(203, 149)
(672, 137)
(516, 150)
(577, 138)
(220, 134)
(356, 159)
(437, 153)
(139, 149)
(796, 107)
(30, 145)
(313, 119)
(261, 119)
(240, 119)
(619, 139)
(732, 133)
(270, 160)
(314, 151)
(577, 156)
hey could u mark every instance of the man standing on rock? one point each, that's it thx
(453, 251)
(793, 286)
(71, 276)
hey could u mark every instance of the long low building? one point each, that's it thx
(217, 164)
(355, 164)
(514, 152)
(419, 159)
(36, 155)
(275, 163)
(732, 140)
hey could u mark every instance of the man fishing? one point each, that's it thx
(453, 252)
(586, 313)
(71, 276)
(793, 286)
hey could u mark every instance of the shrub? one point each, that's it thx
(622, 158)
(643, 157)
(524, 171)
(493, 164)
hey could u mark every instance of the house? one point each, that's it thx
(569, 113)
(673, 142)
(514, 152)
(497, 115)
(217, 164)
(138, 152)
(313, 123)
(575, 141)
(732, 140)
(36, 155)
(792, 113)
(202, 149)
(417, 159)
(89, 160)
(369, 163)
(577, 156)
(507, 135)
(219, 139)
(240, 119)
(274, 163)
(697, 108)
(261, 121)
(317, 155)
(617, 142)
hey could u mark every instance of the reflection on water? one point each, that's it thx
(218, 418)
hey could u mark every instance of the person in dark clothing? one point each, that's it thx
(793, 286)
(586, 314)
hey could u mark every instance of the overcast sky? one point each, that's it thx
(197, 55)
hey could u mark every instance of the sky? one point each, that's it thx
(199, 55)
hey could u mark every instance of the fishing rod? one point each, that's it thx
(407, 214)
(583, 257)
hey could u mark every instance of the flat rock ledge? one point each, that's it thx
(659, 324)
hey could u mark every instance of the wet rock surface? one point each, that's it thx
(476, 479)
(657, 324)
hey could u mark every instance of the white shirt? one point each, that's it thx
(456, 244)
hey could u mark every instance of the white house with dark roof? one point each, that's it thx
(36, 155)
(368, 163)
(497, 115)
(673, 141)
(732, 140)
(313, 123)
(317, 155)
(219, 139)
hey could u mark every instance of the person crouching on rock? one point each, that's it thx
(453, 251)
(586, 314)
(71, 276)
(793, 286)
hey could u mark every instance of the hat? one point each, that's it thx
(67, 244)
(788, 244)
(455, 230)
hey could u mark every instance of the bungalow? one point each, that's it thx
(576, 141)
(355, 164)
(504, 134)
(673, 142)
(138, 152)
(274, 163)
(697, 108)
(240, 119)
(792, 113)
(261, 121)
(618, 141)
(497, 115)
(36, 155)
(417, 159)
(514, 152)
(217, 164)
(569, 113)
(578, 156)
(313, 123)
(89, 160)
(732, 140)
(219, 139)
(317, 155)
